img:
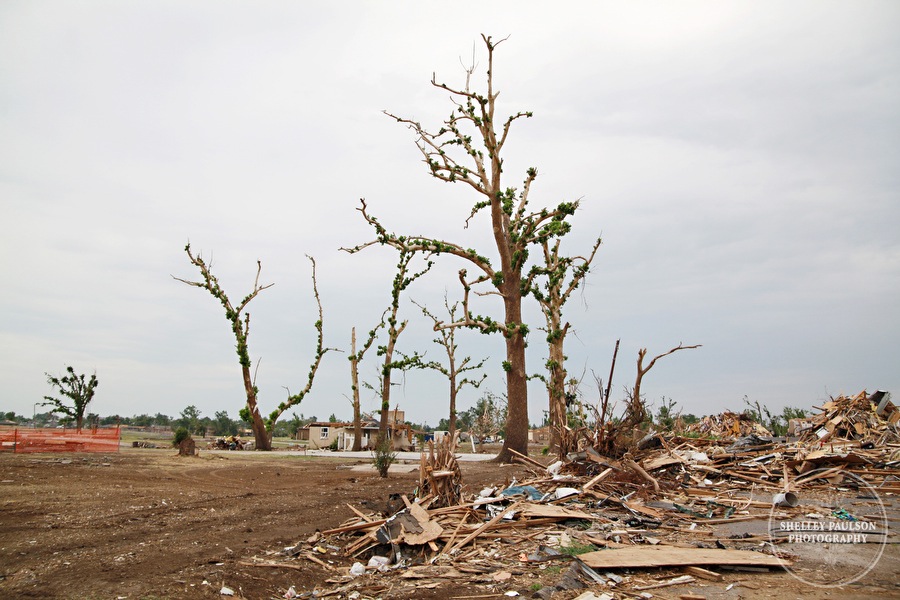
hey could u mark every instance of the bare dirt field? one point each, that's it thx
(145, 523)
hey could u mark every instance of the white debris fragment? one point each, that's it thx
(379, 562)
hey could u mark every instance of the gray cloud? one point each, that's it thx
(739, 161)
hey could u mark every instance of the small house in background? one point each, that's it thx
(369, 435)
(539, 435)
(322, 434)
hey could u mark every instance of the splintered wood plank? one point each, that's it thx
(490, 523)
(527, 459)
(671, 556)
(557, 512)
(704, 574)
(662, 461)
(597, 479)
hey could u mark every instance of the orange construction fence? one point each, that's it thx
(22, 440)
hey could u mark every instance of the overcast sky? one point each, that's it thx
(739, 159)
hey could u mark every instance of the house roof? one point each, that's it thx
(327, 424)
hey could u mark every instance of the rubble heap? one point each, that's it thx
(600, 521)
(728, 425)
(872, 420)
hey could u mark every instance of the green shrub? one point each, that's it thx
(181, 434)
(383, 455)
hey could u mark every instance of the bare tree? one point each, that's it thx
(452, 371)
(240, 326)
(78, 392)
(551, 284)
(637, 411)
(403, 278)
(487, 417)
(455, 156)
(356, 358)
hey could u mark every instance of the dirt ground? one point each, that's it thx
(145, 523)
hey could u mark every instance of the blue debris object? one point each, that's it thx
(522, 490)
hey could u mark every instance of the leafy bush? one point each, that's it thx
(181, 434)
(383, 455)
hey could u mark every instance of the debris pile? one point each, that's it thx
(651, 518)
(439, 474)
(872, 420)
(230, 442)
(728, 425)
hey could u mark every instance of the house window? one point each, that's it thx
(323, 433)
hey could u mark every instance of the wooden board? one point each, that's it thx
(558, 512)
(671, 556)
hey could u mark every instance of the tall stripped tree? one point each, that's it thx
(355, 358)
(402, 280)
(239, 320)
(551, 284)
(78, 391)
(454, 371)
(468, 149)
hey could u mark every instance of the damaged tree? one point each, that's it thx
(452, 371)
(402, 280)
(455, 156)
(355, 358)
(551, 296)
(76, 389)
(621, 435)
(616, 435)
(488, 417)
(240, 327)
(637, 411)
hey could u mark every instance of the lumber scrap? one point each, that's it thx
(555, 511)
(501, 514)
(597, 479)
(672, 556)
(527, 460)
(704, 573)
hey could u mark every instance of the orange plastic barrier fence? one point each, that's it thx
(22, 440)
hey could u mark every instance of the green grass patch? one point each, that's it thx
(576, 549)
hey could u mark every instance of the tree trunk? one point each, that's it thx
(354, 380)
(557, 393)
(386, 391)
(453, 391)
(260, 435)
(516, 437)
